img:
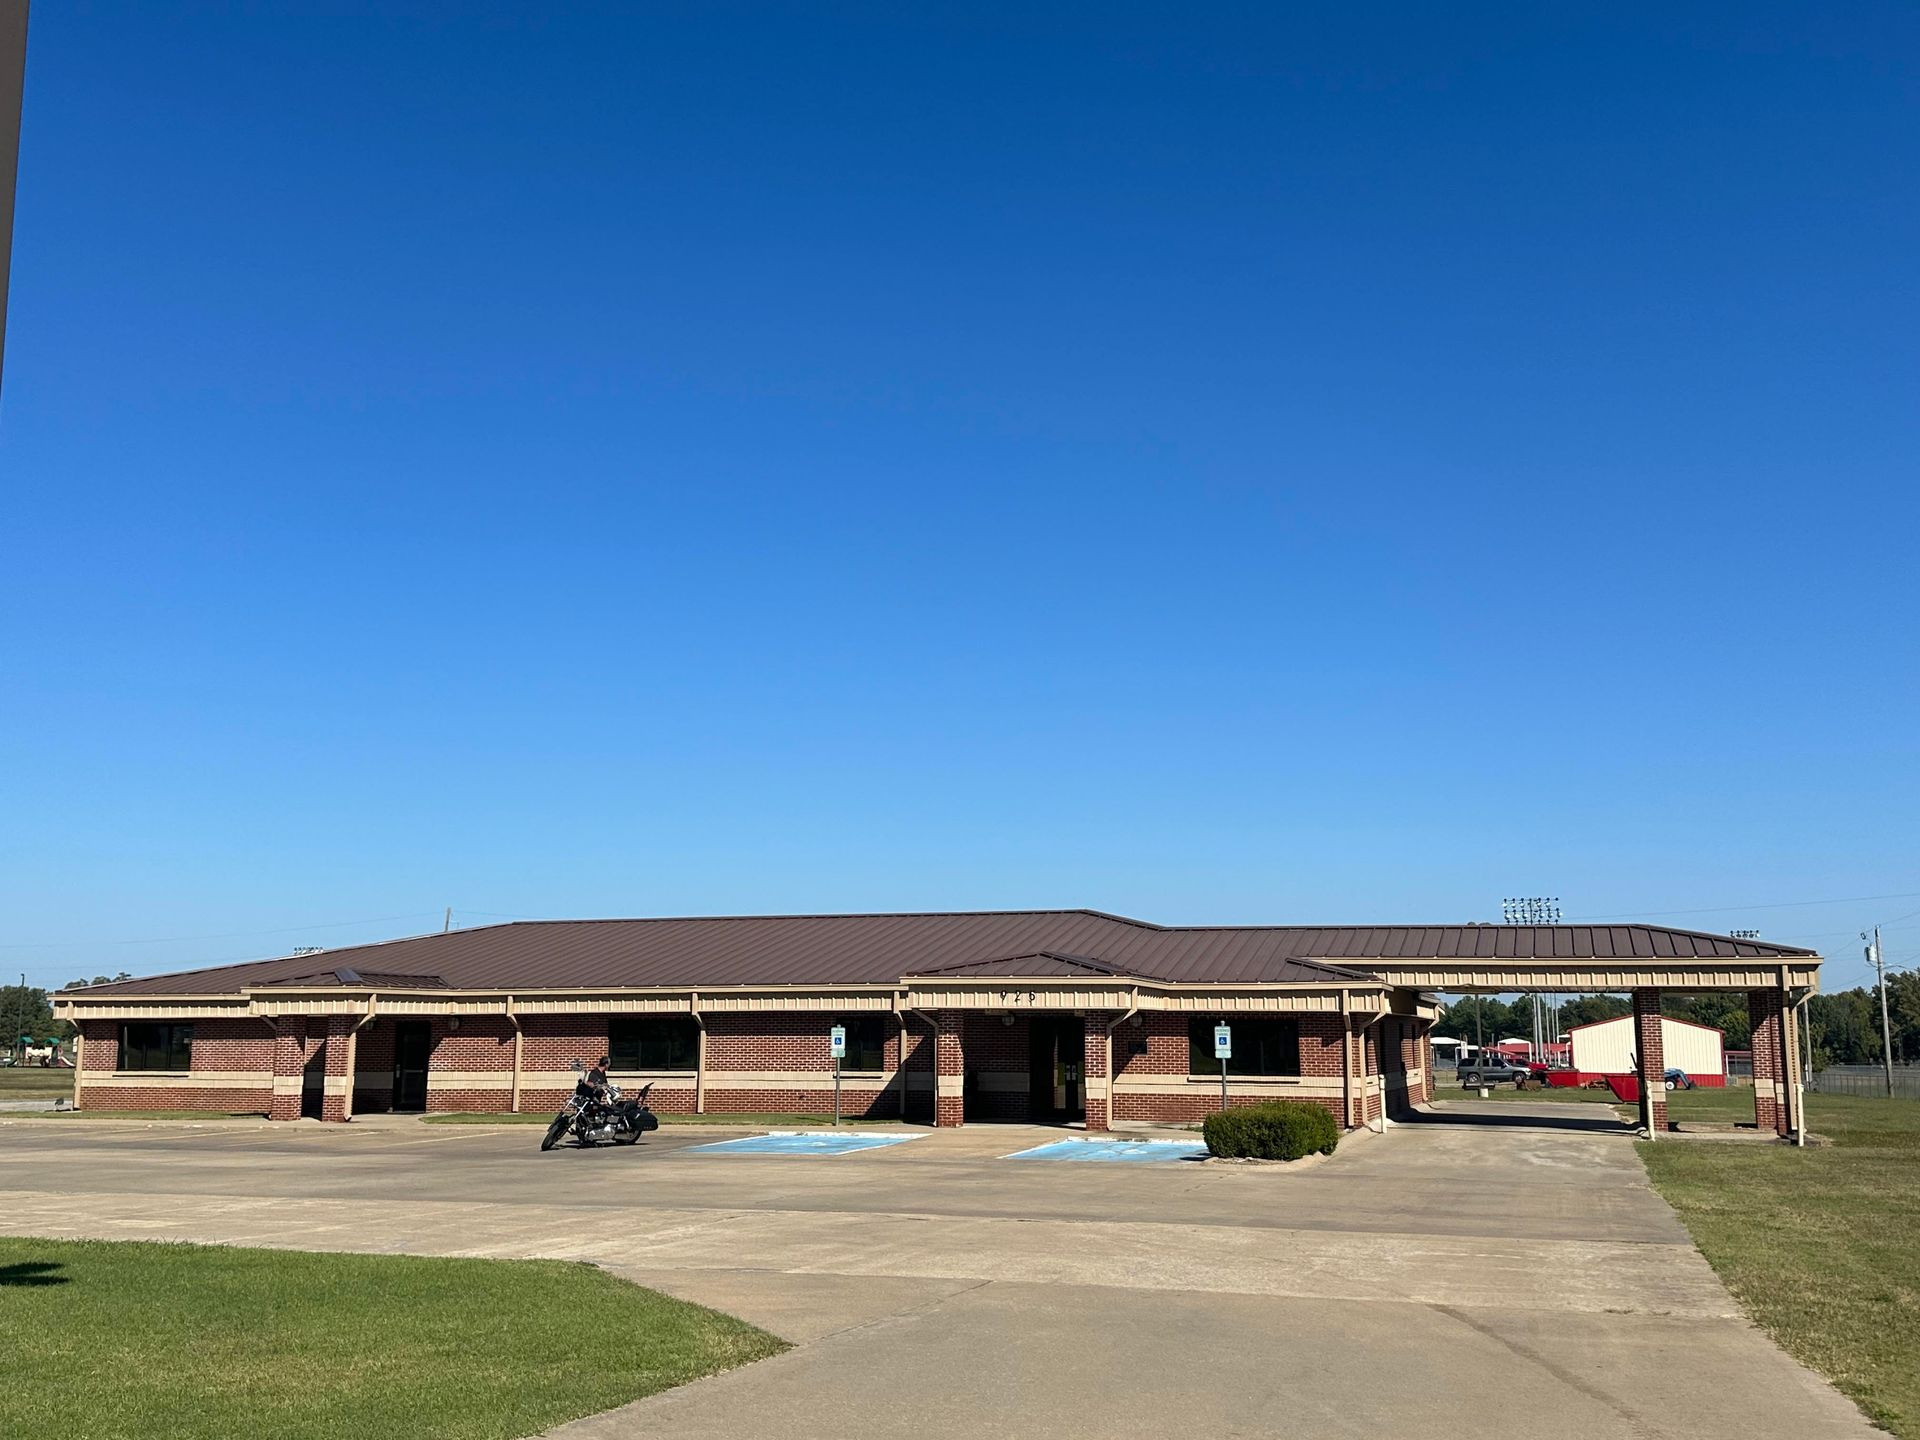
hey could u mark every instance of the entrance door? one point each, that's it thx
(412, 1042)
(313, 1077)
(1058, 1055)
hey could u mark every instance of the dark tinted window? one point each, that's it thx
(866, 1043)
(1260, 1047)
(654, 1042)
(148, 1046)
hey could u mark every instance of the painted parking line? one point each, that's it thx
(1128, 1152)
(800, 1142)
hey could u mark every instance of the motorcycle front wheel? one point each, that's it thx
(554, 1132)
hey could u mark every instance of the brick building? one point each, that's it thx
(1070, 1015)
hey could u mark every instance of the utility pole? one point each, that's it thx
(446, 928)
(13, 80)
(1886, 1026)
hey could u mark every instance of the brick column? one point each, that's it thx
(1769, 1067)
(1093, 1071)
(289, 1062)
(949, 1069)
(1648, 1045)
(336, 1096)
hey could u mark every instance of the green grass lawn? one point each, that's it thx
(1728, 1105)
(30, 1082)
(122, 1339)
(1821, 1245)
(757, 1120)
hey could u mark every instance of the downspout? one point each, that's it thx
(1346, 1055)
(699, 1054)
(1373, 1018)
(1133, 1008)
(900, 1022)
(513, 1104)
(353, 1058)
(933, 1036)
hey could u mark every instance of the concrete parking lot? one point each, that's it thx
(1453, 1269)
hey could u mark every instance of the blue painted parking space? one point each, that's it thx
(801, 1142)
(1125, 1152)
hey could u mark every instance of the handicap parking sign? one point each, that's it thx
(838, 1037)
(1222, 1042)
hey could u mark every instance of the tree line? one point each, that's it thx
(27, 1010)
(1846, 1025)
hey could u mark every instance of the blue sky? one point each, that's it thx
(1235, 463)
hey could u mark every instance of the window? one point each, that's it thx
(654, 1042)
(1260, 1047)
(866, 1043)
(156, 1047)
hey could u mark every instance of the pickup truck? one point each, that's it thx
(1490, 1070)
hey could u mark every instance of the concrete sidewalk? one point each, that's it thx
(934, 1288)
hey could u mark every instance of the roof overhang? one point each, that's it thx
(1795, 972)
(993, 994)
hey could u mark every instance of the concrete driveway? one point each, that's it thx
(1458, 1268)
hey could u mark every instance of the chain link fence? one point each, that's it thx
(1868, 1080)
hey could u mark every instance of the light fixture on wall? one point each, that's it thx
(1007, 1020)
(454, 1023)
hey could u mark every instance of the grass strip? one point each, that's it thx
(1818, 1244)
(115, 1339)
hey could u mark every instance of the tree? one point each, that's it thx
(24, 1010)
(1723, 1010)
(1476, 1017)
(1586, 1009)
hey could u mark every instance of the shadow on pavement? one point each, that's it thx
(1606, 1124)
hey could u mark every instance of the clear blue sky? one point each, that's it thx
(1221, 463)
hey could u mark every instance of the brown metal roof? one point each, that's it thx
(361, 979)
(880, 949)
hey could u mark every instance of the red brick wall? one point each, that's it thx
(373, 1069)
(989, 1044)
(791, 1042)
(218, 1045)
(787, 1042)
(1164, 1033)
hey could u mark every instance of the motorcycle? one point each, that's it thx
(599, 1110)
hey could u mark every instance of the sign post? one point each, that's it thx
(1223, 1052)
(838, 1038)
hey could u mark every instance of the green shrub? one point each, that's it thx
(1280, 1130)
